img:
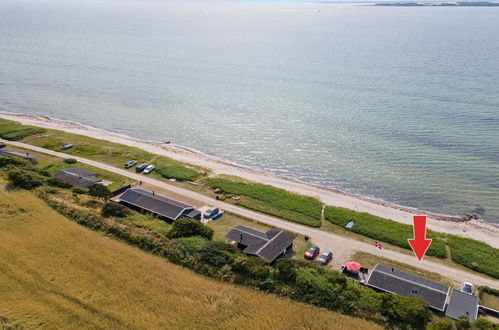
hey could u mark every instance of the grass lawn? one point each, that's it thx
(59, 275)
(489, 300)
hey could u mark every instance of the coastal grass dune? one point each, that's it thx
(59, 275)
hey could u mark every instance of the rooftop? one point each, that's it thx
(163, 206)
(15, 153)
(267, 245)
(395, 281)
(77, 177)
(462, 304)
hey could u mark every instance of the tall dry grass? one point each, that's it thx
(56, 274)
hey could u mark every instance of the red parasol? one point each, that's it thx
(352, 266)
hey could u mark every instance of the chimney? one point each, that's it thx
(241, 237)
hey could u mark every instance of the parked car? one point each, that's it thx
(2, 145)
(325, 257)
(149, 169)
(66, 146)
(467, 287)
(210, 212)
(312, 252)
(130, 163)
(141, 167)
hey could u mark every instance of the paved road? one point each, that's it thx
(343, 246)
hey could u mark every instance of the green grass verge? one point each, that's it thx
(475, 255)
(104, 151)
(178, 172)
(271, 200)
(383, 229)
(13, 131)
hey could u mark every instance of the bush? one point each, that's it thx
(486, 289)
(25, 179)
(217, 254)
(192, 244)
(271, 200)
(55, 182)
(406, 312)
(474, 255)
(187, 227)
(113, 209)
(79, 190)
(6, 161)
(484, 324)
(99, 190)
(70, 161)
(178, 172)
(383, 229)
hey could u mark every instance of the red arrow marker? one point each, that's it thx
(419, 243)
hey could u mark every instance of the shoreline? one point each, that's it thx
(476, 229)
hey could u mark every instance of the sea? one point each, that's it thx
(399, 104)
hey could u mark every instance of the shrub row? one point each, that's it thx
(178, 172)
(383, 229)
(300, 280)
(489, 290)
(271, 200)
(475, 255)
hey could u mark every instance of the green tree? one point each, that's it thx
(186, 227)
(25, 179)
(441, 324)
(113, 209)
(217, 254)
(99, 190)
(406, 312)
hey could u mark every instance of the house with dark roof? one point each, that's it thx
(161, 207)
(15, 154)
(77, 177)
(269, 245)
(462, 304)
(391, 280)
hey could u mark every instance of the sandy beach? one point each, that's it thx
(475, 229)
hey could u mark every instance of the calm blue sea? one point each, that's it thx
(400, 104)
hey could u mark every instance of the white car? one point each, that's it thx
(149, 169)
(467, 287)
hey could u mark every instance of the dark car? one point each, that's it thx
(325, 258)
(312, 252)
(210, 212)
(141, 167)
(130, 163)
(2, 145)
(66, 146)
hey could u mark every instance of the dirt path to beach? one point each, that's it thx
(343, 247)
(475, 229)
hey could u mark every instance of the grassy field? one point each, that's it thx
(57, 274)
(271, 200)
